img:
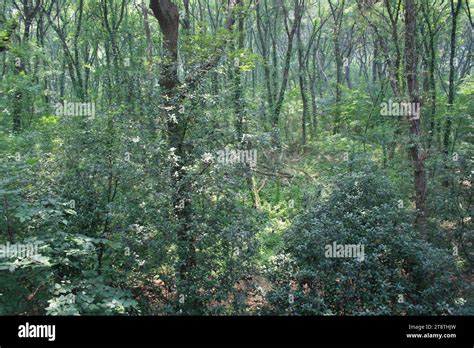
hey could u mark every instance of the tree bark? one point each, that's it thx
(286, 67)
(418, 157)
(454, 16)
(337, 15)
(174, 92)
(167, 14)
(302, 83)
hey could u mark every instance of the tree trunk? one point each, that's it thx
(286, 68)
(302, 83)
(337, 15)
(418, 157)
(167, 14)
(174, 92)
(454, 17)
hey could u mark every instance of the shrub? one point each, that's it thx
(400, 272)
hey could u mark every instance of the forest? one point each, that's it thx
(236, 157)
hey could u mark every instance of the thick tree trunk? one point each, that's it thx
(174, 92)
(167, 14)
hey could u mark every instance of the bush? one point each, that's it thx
(399, 273)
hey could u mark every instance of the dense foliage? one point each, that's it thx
(190, 157)
(398, 273)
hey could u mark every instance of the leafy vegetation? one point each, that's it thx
(207, 158)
